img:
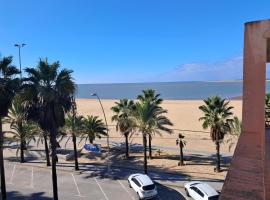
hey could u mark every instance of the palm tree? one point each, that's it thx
(8, 87)
(23, 131)
(217, 117)
(92, 128)
(182, 143)
(267, 110)
(123, 111)
(151, 96)
(74, 126)
(149, 119)
(236, 129)
(44, 139)
(48, 96)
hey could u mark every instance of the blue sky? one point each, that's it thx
(108, 41)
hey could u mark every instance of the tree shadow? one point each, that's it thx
(31, 154)
(26, 158)
(121, 168)
(131, 166)
(163, 192)
(14, 195)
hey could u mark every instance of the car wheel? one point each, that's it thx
(187, 192)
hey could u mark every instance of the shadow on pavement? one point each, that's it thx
(14, 195)
(166, 193)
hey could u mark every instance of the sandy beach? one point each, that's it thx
(183, 113)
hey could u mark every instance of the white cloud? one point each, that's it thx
(229, 69)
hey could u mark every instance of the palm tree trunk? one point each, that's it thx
(181, 155)
(145, 154)
(91, 141)
(47, 150)
(75, 152)
(218, 156)
(22, 146)
(54, 160)
(150, 147)
(74, 137)
(2, 170)
(22, 151)
(127, 149)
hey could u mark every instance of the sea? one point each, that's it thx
(168, 90)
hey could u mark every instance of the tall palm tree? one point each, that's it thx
(8, 87)
(149, 119)
(48, 96)
(217, 117)
(267, 110)
(74, 126)
(23, 131)
(151, 96)
(44, 139)
(92, 128)
(123, 111)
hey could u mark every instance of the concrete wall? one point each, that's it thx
(255, 54)
(248, 176)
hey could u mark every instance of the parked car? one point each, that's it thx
(143, 186)
(201, 191)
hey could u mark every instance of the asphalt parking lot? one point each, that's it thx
(34, 183)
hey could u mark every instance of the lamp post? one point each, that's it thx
(108, 143)
(20, 61)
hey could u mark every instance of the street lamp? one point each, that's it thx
(19, 47)
(108, 143)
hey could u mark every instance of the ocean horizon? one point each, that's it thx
(192, 90)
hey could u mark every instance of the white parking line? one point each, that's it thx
(12, 174)
(126, 189)
(79, 193)
(101, 190)
(32, 178)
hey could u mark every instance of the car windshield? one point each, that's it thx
(213, 197)
(148, 187)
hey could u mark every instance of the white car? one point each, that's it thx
(201, 191)
(143, 186)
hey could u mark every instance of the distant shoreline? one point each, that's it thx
(120, 83)
(237, 98)
(218, 81)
